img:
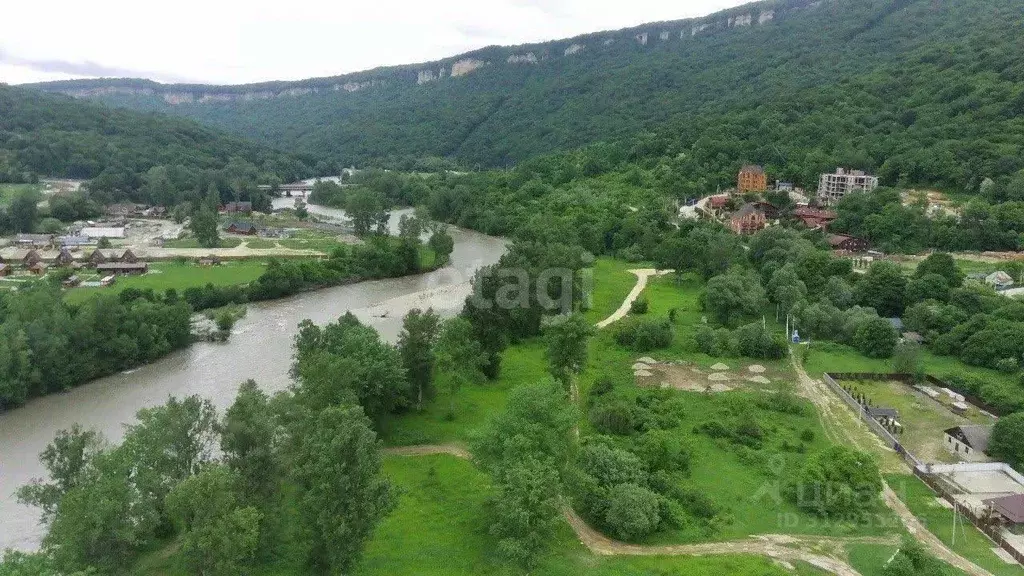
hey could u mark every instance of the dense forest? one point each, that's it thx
(922, 92)
(56, 136)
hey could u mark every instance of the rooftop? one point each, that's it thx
(974, 435)
(1010, 507)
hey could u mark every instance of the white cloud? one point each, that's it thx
(217, 41)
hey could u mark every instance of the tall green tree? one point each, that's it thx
(219, 535)
(67, 460)
(416, 344)
(460, 358)
(23, 211)
(249, 439)
(1007, 442)
(342, 495)
(567, 341)
(204, 227)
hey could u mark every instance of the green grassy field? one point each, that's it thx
(445, 499)
(612, 283)
(261, 244)
(166, 275)
(970, 543)
(193, 243)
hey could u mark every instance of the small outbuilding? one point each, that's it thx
(969, 441)
(246, 228)
(71, 281)
(5, 270)
(39, 268)
(96, 232)
(211, 260)
(1008, 510)
(122, 268)
(33, 240)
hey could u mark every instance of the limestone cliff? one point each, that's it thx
(665, 33)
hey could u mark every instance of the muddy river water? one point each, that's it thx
(259, 348)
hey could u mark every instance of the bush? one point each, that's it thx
(755, 341)
(633, 511)
(837, 481)
(639, 306)
(644, 335)
(662, 450)
(618, 416)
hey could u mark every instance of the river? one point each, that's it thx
(259, 348)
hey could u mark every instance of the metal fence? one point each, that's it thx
(922, 471)
(877, 428)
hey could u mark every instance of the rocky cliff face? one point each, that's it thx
(751, 16)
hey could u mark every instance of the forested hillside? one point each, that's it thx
(922, 91)
(53, 135)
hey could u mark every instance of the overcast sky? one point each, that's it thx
(221, 42)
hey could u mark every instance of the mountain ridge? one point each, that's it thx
(173, 94)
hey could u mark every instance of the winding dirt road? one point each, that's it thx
(642, 275)
(832, 411)
(778, 547)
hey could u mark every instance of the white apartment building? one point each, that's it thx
(832, 187)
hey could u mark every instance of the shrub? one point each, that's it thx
(837, 481)
(638, 306)
(755, 341)
(633, 511)
(644, 335)
(662, 450)
(618, 416)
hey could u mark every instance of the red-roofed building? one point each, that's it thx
(814, 218)
(842, 242)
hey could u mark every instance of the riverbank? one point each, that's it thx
(259, 348)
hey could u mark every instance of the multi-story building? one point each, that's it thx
(752, 179)
(749, 219)
(832, 187)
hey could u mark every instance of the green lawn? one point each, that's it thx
(166, 275)
(193, 243)
(970, 543)
(612, 283)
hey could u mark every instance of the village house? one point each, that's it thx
(75, 242)
(245, 228)
(122, 268)
(749, 219)
(33, 240)
(39, 268)
(751, 179)
(237, 208)
(5, 270)
(845, 243)
(109, 232)
(31, 258)
(968, 442)
(211, 260)
(96, 258)
(64, 258)
(128, 257)
(814, 218)
(124, 210)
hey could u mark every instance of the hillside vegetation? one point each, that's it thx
(53, 135)
(924, 92)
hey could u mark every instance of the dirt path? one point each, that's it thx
(642, 275)
(778, 547)
(843, 427)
